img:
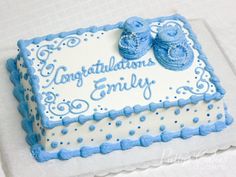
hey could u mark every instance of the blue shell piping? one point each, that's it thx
(41, 155)
(126, 111)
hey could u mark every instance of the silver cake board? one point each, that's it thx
(17, 160)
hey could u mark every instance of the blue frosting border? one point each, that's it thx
(64, 154)
(126, 111)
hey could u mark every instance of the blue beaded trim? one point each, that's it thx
(126, 111)
(146, 140)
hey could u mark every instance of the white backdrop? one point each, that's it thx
(30, 18)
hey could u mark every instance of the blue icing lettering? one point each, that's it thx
(61, 78)
(102, 89)
(60, 75)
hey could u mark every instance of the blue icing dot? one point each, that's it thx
(91, 128)
(210, 106)
(162, 117)
(79, 140)
(32, 98)
(54, 144)
(27, 97)
(195, 119)
(118, 123)
(162, 127)
(43, 132)
(177, 111)
(142, 118)
(64, 131)
(181, 125)
(108, 136)
(131, 132)
(219, 116)
(26, 76)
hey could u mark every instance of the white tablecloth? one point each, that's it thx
(29, 18)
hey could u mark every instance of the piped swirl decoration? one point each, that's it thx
(171, 48)
(202, 85)
(136, 38)
(44, 52)
(63, 108)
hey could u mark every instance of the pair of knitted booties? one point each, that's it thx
(170, 46)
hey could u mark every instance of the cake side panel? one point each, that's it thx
(174, 119)
(104, 148)
(32, 112)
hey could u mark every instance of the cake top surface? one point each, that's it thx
(81, 76)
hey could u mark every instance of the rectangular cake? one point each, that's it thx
(100, 89)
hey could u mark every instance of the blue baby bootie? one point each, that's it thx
(135, 39)
(171, 48)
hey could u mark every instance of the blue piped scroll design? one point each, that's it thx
(63, 108)
(44, 52)
(202, 85)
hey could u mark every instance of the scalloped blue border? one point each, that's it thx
(146, 140)
(126, 111)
